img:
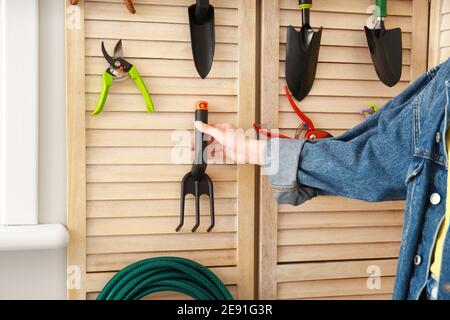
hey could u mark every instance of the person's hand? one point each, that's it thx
(226, 141)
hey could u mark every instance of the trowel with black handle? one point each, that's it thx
(385, 48)
(302, 53)
(203, 38)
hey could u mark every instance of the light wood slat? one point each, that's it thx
(155, 208)
(76, 152)
(270, 48)
(347, 38)
(334, 105)
(360, 297)
(420, 39)
(352, 88)
(248, 38)
(184, 3)
(154, 13)
(161, 296)
(152, 121)
(328, 54)
(156, 225)
(444, 54)
(338, 252)
(151, 31)
(394, 7)
(445, 6)
(322, 120)
(130, 138)
(445, 24)
(434, 33)
(339, 235)
(154, 173)
(314, 289)
(144, 191)
(159, 49)
(116, 262)
(161, 243)
(336, 20)
(348, 71)
(334, 270)
(445, 39)
(333, 203)
(167, 68)
(164, 103)
(96, 281)
(309, 220)
(168, 86)
(145, 156)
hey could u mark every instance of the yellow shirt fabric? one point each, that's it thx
(439, 248)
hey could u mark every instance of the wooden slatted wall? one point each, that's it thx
(439, 47)
(322, 249)
(123, 190)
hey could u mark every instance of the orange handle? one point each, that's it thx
(130, 6)
(74, 2)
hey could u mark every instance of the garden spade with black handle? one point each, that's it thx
(385, 48)
(302, 53)
(203, 36)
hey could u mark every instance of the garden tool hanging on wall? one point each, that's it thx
(302, 53)
(307, 126)
(197, 182)
(385, 48)
(128, 3)
(120, 69)
(203, 37)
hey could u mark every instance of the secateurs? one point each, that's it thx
(120, 69)
(197, 182)
(311, 133)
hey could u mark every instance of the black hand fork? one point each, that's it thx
(197, 182)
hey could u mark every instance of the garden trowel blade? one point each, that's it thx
(203, 39)
(302, 53)
(386, 50)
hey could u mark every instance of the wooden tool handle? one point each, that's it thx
(130, 6)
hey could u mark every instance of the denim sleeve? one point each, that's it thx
(369, 162)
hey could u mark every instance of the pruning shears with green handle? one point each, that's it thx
(120, 69)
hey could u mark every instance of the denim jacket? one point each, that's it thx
(399, 153)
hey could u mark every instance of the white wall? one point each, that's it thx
(42, 274)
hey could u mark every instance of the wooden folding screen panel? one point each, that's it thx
(439, 44)
(124, 191)
(326, 248)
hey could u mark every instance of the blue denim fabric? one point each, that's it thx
(399, 153)
(431, 292)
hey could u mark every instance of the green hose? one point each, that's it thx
(165, 274)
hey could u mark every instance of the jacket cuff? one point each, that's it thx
(281, 160)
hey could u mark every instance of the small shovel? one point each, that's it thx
(203, 38)
(302, 53)
(385, 48)
(197, 182)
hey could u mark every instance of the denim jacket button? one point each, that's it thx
(435, 199)
(438, 137)
(417, 260)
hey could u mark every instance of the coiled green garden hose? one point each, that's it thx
(165, 274)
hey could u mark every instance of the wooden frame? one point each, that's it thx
(104, 238)
(76, 153)
(278, 267)
(269, 114)
(299, 244)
